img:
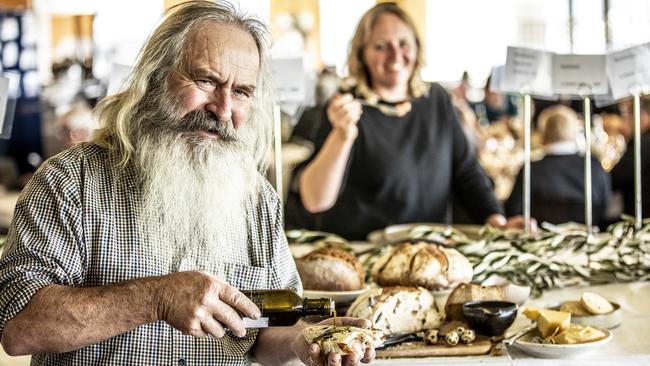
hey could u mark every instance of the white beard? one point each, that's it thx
(194, 198)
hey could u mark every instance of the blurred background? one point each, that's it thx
(70, 53)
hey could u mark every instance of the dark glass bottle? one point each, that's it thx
(284, 307)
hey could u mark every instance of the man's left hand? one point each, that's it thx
(310, 354)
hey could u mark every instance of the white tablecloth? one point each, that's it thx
(630, 344)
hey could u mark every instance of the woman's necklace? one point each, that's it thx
(367, 97)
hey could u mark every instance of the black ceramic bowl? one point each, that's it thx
(490, 318)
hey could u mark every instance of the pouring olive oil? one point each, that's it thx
(284, 307)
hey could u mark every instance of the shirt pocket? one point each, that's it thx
(245, 277)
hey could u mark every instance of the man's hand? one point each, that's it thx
(310, 354)
(344, 112)
(198, 304)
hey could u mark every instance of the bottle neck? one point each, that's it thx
(322, 307)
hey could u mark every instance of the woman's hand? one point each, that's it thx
(514, 222)
(344, 112)
(310, 354)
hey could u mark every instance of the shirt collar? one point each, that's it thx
(561, 148)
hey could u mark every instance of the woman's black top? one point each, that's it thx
(407, 169)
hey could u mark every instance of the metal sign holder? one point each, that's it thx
(527, 138)
(636, 97)
(277, 149)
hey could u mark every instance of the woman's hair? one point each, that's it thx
(163, 54)
(356, 66)
(558, 123)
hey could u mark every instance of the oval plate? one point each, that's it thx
(526, 345)
(610, 320)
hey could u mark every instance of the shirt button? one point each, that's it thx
(181, 362)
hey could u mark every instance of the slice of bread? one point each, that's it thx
(595, 303)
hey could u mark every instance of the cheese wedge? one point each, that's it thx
(579, 334)
(575, 308)
(551, 322)
(532, 313)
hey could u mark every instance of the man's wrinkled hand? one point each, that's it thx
(200, 304)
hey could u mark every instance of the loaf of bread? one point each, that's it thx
(421, 264)
(330, 269)
(397, 310)
(470, 292)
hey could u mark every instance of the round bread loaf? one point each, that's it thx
(330, 269)
(397, 310)
(421, 264)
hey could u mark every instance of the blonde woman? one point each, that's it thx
(392, 149)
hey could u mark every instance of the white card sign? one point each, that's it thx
(4, 96)
(579, 75)
(289, 78)
(528, 71)
(629, 70)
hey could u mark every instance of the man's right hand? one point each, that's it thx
(344, 112)
(200, 304)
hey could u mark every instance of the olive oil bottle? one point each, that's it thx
(284, 307)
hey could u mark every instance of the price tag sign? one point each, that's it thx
(579, 75)
(528, 71)
(289, 78)
(628, 70)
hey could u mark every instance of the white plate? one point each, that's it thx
(526, 345)
(339, 297)
(610, 320)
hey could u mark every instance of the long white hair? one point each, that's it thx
(163, 54)
(195, 193)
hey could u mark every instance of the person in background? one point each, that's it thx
(623, 172)
(461, 90)
(309, 122)
(557, 180)
(392, 150)
(495, 107)
(134, 249)
(466, 115)
(76, 125)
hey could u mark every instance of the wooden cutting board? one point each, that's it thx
(481, 346)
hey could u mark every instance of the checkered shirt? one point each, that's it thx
(76, 224)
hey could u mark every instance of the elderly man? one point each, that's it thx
(131, 250)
